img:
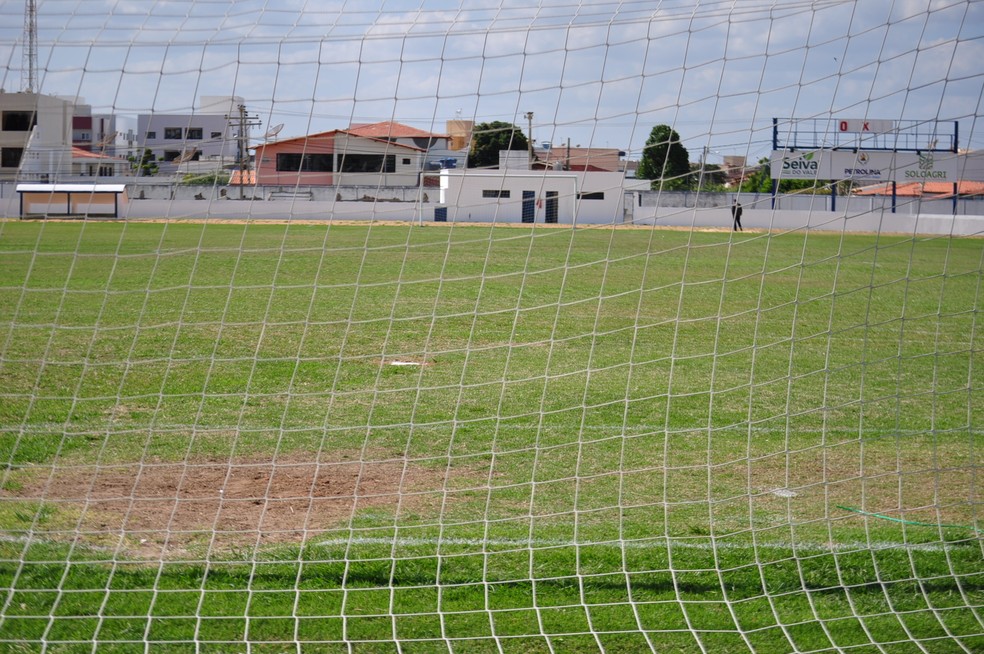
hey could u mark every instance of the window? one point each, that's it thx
(495, 193)
(406, 161)
(216, 135)
(552, 212)
(367, 163)
(596, 195)
(10, 157)
(194, 134)
(171, 155)
(151, 135)
(173, 133)
(297, 162)
(18, 121)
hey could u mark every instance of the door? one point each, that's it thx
(529, 206)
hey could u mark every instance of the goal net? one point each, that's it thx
(446, 326)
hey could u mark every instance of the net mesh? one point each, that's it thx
(336, 395)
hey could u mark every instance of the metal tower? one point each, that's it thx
(29, 69)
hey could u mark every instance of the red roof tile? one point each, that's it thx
(80, 153)
(237, 175)
(388, 129)
(918, 189)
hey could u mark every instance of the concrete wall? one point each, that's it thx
(811, 202)
(879, 221)
(756, 216)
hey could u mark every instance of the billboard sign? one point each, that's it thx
(865, 125)
(878, 166)
(798, 165)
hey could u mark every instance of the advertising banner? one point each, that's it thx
(880, 166)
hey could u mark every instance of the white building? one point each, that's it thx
(94, 132)
(207, 134)
(537, 196)
(35, 137)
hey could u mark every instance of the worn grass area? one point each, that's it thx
(600, 439)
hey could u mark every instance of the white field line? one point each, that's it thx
(522, 543)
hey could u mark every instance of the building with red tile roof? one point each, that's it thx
(86, 163)
(377, 154)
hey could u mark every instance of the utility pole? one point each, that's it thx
(529, 140)
(241, 122)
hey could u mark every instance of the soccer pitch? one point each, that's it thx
(488, 439)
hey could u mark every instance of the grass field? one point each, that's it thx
(627, 440)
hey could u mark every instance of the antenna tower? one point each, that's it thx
(29, 74)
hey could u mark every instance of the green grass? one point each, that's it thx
(592, 446)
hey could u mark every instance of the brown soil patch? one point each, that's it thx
(169, 509)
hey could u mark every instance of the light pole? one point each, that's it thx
(529, 139)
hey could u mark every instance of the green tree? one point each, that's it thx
(665, 161)
(489, 138)
(711, 178)
(214, 178)
(145, 165)
(758, 180)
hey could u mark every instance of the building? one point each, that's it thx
(577, 158)
(206, 134)
(438, 147)
(93, 132)
(86, 163)
(736, 170)
(535, 196)
(379, 155)
(35, 137)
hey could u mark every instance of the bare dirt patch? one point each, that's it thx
(168, 509)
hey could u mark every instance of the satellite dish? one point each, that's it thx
(273, 131)
(186, 156)
(106, 140)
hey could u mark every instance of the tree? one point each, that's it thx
(759, 179)
(489, 138)
(665, 160)
(145, 165)
(710, 177)
(214, 178)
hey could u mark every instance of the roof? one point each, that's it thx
(590, 159)
(307, 137)
(333, 133)
(235, 179)
(71, 188)
(919, 189)
(391, 130)
(79, 153)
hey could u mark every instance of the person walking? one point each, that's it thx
(736, 216)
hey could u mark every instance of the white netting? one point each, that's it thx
(296, 376)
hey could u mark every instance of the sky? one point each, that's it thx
(595, 72)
